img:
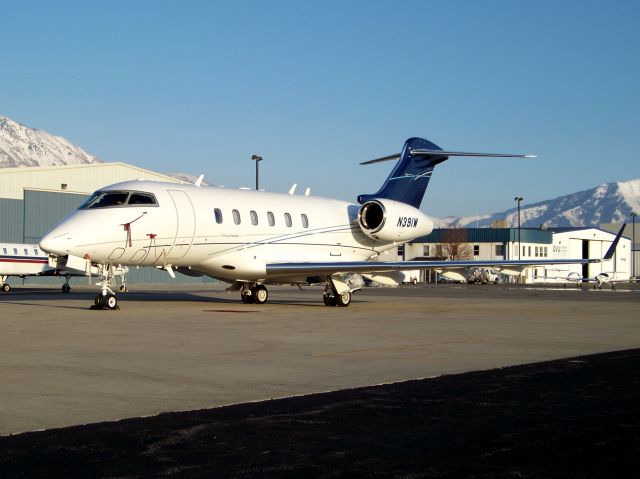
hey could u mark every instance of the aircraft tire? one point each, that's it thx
(260, 294)
(66, 288)
(329, 300)
(110, 301)
(98, 300)
(6, 287)
(247, 298)
(343, 300)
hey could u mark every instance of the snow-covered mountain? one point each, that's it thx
(24, 146)
(607, 203)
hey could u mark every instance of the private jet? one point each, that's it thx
(256, 238)
(22, 260)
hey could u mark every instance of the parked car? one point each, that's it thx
(483, 276)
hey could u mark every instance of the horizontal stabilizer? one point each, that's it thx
(423, 152)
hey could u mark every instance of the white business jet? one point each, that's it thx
(255, 238)
(22, 260)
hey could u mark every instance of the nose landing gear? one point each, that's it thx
(106, 299)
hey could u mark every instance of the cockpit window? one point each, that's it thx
(110, 199)
(141, 199)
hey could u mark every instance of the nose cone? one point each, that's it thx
(55, 243)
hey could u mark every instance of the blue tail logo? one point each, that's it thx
(408, 181)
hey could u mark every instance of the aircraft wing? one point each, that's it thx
(328, 268)
(315, 269)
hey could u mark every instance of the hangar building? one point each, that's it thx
(34, 199)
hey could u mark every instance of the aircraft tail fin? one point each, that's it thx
(612, 249)
(408, 181)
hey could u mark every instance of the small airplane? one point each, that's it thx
(22, 260)
(599, 279)
(254, 238)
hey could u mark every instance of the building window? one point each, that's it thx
(476, 250)
(218, 215)
(545, 253)
(254, 217)
(425, 250)
(536, 251)
(529, 251)
(287, 220)
(305, 220)
(236, 216)
(499, 250)
(271, 218)
(524, 251)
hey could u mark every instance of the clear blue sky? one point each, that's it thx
(317, 87)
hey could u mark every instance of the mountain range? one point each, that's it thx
(607, 203)
(22, 146)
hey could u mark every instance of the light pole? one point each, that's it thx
(257, 159)
(633, 245)
(518, 199)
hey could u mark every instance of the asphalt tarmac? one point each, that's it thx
(188, 348)
(571, 418)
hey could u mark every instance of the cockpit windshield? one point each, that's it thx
(110, 199)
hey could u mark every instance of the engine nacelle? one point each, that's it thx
(388, 221)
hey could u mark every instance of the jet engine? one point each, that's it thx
(387, 221)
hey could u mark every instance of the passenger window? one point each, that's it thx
(236, 217)
(254, 217)
(305, 221)
(271, 218)
(287, 220)
(218, 215)
(35, 251)
(15, 251)
(141, 199)
(26, 252)
(4, 250)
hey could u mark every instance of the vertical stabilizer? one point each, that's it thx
(409, 179)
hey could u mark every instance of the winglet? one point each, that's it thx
(612, 249)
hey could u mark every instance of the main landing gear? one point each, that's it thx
(254, 293)
(4, 286)
(336, 292)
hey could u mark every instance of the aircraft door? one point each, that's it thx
(186, 224)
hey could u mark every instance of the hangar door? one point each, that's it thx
(585, 255)
(186, 224)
